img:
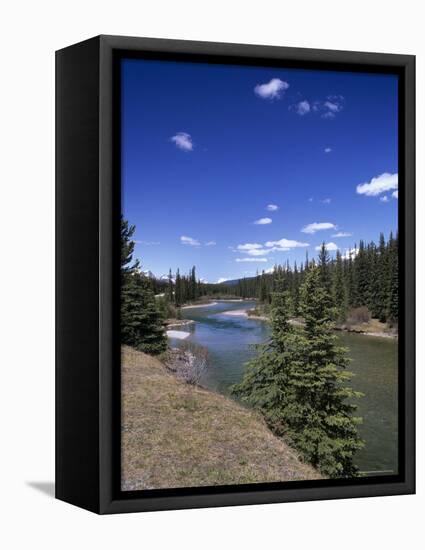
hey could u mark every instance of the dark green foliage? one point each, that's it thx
(298, 381)
(142, 324)
(392, 298)
(339, 288)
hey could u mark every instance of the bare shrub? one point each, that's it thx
(196, 363)
(188, 362)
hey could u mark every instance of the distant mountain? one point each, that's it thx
(149, 274)
(234, 282)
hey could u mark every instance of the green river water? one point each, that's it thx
(374, 362)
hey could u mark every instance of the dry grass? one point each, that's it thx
(177, 435)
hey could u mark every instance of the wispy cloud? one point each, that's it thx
(273, 89)
(249, 246)
(286, 243)
(257, 250)
(148, 243)
(326, 201)
(302, 108)
(384, 198)
(253, 249)
(313, 227)
(380, 184)
(325, 108)
(263, 221)
(251, 260)
(333, 105)
(395, 194)
(272, 207)
(221, 280)
(331, 247)
(341, 234)
(183, 141)
(210, 243)
(189, 241)
(328, 149)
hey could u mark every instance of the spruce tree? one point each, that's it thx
(298, 379)
(339, 291)
(329, 439)
(392, 297)
(170, 286)
(268, 383)
(141, 320)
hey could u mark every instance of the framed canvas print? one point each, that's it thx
(235, 274)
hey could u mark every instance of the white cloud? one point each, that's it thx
(210, 243)
(189, 240)
(249, 246)
(302, 108)
(380, 184)
(272, 207)
(384, 198)
(310, 199)
(330, 247)
(350, 252)
(333, 105)
(251, 260)
(263, 221)
(328, 149)
(148, 243)
(285, 244)
(326, 201)
(272, 89)
(221, 280)
(395, 194)
(258, 251)
(252, 249)
(313, 227)
(341, 234)
(183, 141)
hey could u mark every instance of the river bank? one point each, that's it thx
(371, 328)
(176, 434)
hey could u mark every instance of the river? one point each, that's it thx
(229, 341)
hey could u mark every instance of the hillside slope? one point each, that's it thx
(177, 435)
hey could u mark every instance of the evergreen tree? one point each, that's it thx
(178, 295)
(268, 383)
(141, 320)
(383, 280)
(339, 290)
(329, 439)
(393, 290)
(298, 382)
(170, 286)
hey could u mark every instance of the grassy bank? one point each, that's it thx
(178, 435)
(370, 327)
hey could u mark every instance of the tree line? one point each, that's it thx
(366, 277)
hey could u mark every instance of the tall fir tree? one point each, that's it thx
(393, 288)
(339, 289)
(141, 320)
(329, 439)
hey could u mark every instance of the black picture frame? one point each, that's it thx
(87, 276)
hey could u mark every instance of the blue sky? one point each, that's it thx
(234, 169)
